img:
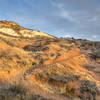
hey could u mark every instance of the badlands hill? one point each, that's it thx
(13, 29)
(38, 66)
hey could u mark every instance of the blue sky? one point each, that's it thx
(62, 18)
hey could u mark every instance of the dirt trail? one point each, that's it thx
(34, 68)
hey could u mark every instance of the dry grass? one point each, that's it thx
(18, 92)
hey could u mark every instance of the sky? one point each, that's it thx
(61, 18)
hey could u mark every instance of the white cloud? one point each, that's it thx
(68, 35)
(94, 19)
(94, 36)
(64, 14)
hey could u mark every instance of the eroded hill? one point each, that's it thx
(33, 62)
(15, 30)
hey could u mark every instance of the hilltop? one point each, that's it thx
(38, 66)
(13, 29)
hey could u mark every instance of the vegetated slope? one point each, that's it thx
(40, 64)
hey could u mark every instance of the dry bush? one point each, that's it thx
(91, 65)
(90, 88)
(18, 92)
(7, 41)
(5, 53)
(13, 57)
(9, 54)
(70, 90)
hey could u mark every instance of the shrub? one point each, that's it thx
(29, 48)
(52, 54)
(18, 92)
(14, 92)
(96, 54)
(22, 63)
(34, 63)
(58, 54)
(90, 88)
(5, 54)
(7, 41)
(70, 90)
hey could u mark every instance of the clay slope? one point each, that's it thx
(13, 29)
(44, 67)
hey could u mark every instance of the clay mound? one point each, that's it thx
(13, 29)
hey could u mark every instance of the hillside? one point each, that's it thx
(15, 30)
(38, 66)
